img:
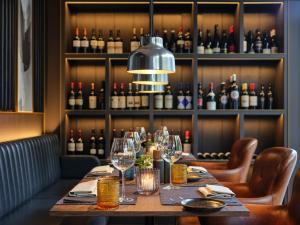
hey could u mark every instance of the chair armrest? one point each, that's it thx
(210, 165)
(241, 190)
(226, 175)
(264, 200)
(77, 166)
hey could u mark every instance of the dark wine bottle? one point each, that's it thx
(216, 42)
(223, 97)
(252, 96)
(262, 97)
(231, 40)
(208, 43)
(224, 43)
(234, 93)
(245, 97)
(210, 98)
(93, 150)
(76, 41)
(270, 99)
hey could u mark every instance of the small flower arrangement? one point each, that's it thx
(145, 162)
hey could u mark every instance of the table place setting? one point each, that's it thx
(102, 171)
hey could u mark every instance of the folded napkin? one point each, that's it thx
(102, 169)
(216, 191)
(197, 169)
(84, 189)
(185, 154)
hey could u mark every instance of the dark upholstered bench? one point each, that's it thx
(33, 177)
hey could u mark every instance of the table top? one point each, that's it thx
(145, 206)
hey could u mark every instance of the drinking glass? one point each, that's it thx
(142, 132)
(136, 139)
(161, 138)
(122, 158)
(171, 153)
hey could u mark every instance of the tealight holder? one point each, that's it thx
(147, 181)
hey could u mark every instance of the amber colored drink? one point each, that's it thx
(179, 174)
(108, 193)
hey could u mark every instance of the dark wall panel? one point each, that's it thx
(8, 40)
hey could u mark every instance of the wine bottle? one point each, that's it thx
(122, 98)
(92, 97)
(118, 43)
(168, 97)
(221, 155)
(210, 98)
(102, 96)
(172, 44)
(262, 97)
(101, 145)
(214, 155)
(93, 42)
(188, 98)
(113, 134)
(166, 41)
(158, 101)
(234, 93)
(224, 43)
(115, 98)
(223, 98)
(129, 97)
(144, 101)
(200, 155)
(111, 43)
(134, 42)
(71, 100)
(250, 43)
(270, 98)
(93, 150)
(231, 40)
(71, 143)
(208, 43)
(84, 42)
(274, 42)
(180, 41)
(122, 133)
(141, 33)
(258, 42)
(188, 42)
(216, 42)
(137, 97)
(79, 97)
(266, 49)
(245, 44)
(252, 96)
(180, 99)
(76, 41)
(200, 45)
(79, 143)
(200, 97)
(227, 155)
(187, 144)
(206, 155)
(100, 42)
(245, 97)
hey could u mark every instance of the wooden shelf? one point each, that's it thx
(173, 112)
(85, 112)
(129, 112)
(230, 112)
(241, 56)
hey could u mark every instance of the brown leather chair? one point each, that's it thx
(236, 169)
(259, 214)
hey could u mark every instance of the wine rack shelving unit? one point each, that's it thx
(211, 130)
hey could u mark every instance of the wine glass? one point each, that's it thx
(142, 132)
(161, 138)
(136, 139)
(171, 153)
(122, 158)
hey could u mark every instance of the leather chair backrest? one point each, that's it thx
(294, 204)
(241, 156)
(271, 173)
(26, 167)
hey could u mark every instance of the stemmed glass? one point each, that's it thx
(171, 153)
(161, 138)
(142, 132)
(136, 140)
(123, 157)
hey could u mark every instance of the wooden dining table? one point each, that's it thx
(146, 206)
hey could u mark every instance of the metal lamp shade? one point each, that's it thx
(151, 58)
(150, 89)
(150, 79)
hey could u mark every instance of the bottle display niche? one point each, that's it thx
(230, 74)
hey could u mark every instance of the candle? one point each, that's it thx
(147, 183)
(150, 149)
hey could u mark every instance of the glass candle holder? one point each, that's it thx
(179, 174)
(108, 190)
(147, 181)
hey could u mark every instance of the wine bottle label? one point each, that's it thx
(200, 102)
(158, 101)
(145, 101)
(274, 50)
(245, 101)
(200, 49)
(245, 46)
(92, 102)
(258, 45)
(187, 148)
(211, 105)
(71, 147)
(180, 42)
(93, 44)
(76, 43)
(232, 48)
(79, 147)
(79, 101)
(110, 47)
(253, 101)
(71, 101)
(84, 43)
(93, 151)
(180, 102)
(100, 44)
(188, 102)
(234, 95)
(100, 151)
(122, 102)
(208, 51)
(267, 51)
(134, 45)
(187, 45)
(119, 47)
(114, 102)
(224, 50)
(130, 101)
(216, 50)
(224, 100)
(137, 101)
(169, 101)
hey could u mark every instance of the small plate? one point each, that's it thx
(203, 204)
(193, 177)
